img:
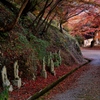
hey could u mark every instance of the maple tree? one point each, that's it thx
(64, 10)
(48, 9)
(89, 22)
(67, 10)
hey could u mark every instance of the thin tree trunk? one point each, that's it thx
(41, 14)
(12, 25)
(50, 12)
(61, 29)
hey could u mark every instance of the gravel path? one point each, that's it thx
(87, 86)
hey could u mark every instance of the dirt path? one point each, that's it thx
(87, 86)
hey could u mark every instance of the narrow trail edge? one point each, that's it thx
(49, 87)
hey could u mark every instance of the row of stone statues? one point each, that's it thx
(16, 81)
(46, 62)
(50, 63)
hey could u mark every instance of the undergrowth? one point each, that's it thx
(39, 46)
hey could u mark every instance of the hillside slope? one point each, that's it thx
(29, 49)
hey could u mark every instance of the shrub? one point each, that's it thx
(4, 95)
(79, 39)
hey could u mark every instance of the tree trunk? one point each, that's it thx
(92, 43)
(29, 7)
(61, 29)
(12, 25)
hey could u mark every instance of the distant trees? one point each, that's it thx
(66, 10)
(47, 10)
(89, 21)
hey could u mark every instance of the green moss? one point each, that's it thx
(4, 95)
(39, 46)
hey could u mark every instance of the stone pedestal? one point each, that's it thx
(6, 83)
(53, 73)
(17, 82)
(10, 88)
(44, 74)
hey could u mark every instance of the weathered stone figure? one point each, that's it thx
(59, 54)
(52, 68)
(6, 82)
(17, 80)
(16, 70)
(34, 77)
(49, 59)
(44, 73)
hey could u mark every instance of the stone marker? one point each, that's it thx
(44, 73)
(34, 77)
(16, 70)
(52, 68)
(49, 59)
(59, 54)
(17, 80)
(6, 82)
